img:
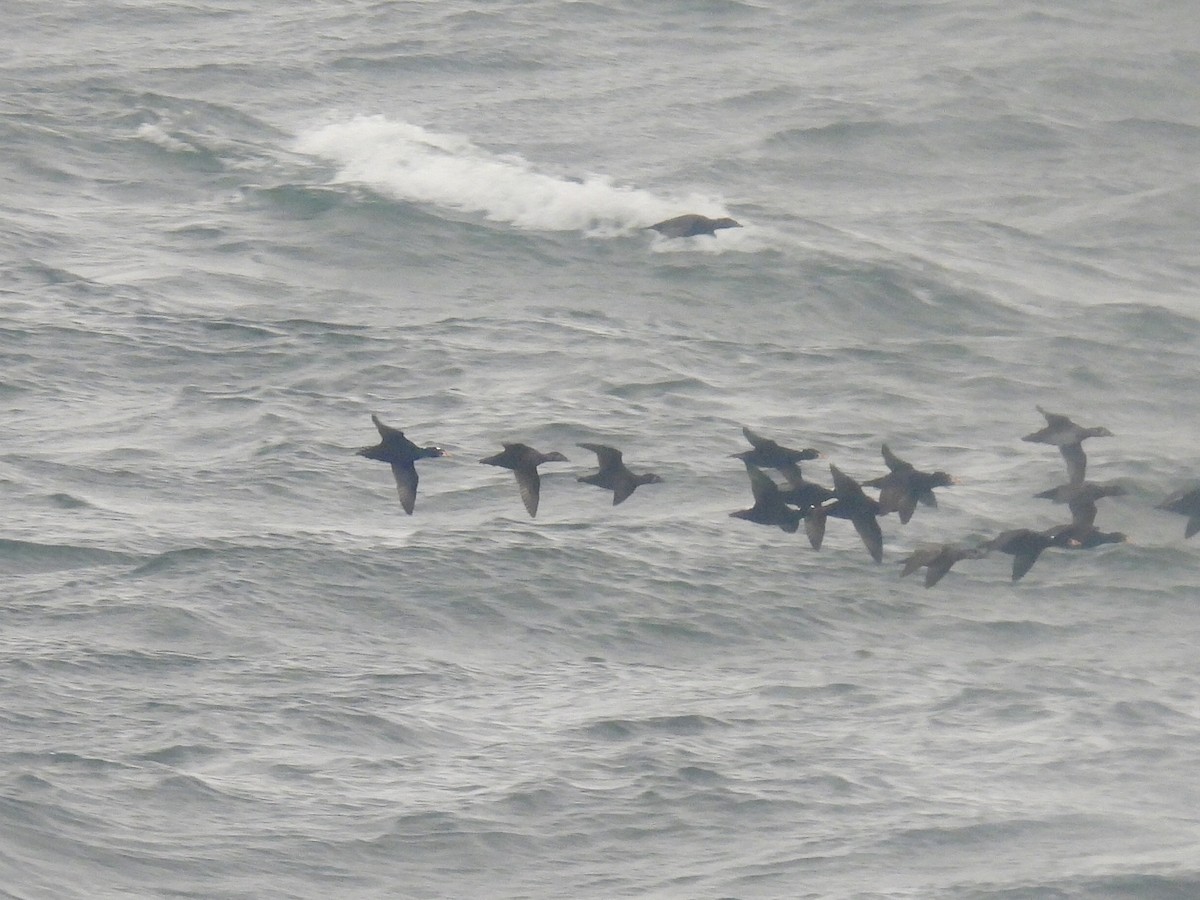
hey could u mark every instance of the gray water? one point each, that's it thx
(231, 666)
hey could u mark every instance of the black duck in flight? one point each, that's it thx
(401, 453)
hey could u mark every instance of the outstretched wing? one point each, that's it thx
(623, 489)
(1023, 561)
(764, 488)
(814, 526)
(895, 463)
(1055, 420)
(757, 441)
(406, 484)
(530, 484)
(868, 529)
(1076, 461)
(938, 567)
(606, 457)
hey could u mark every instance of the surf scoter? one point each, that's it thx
(401, 453)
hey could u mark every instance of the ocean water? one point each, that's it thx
(232, 667)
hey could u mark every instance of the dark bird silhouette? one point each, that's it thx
(766, 454)
(768, 508)
(401, 453)
(902, 487)
(1068, 437)
(804, 495)
(1081, 499)
(691, 224)
(1186, 502)
(1087, 538)
(849, 503)
(1083, 490)
(937, 560)
(1082, 533)
(613, 475)
(524, 460)
(1027, 545)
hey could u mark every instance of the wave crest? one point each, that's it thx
(409, 163)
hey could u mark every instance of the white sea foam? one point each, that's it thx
(410, 163)
(157, 135)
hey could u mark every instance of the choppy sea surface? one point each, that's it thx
(232, 667)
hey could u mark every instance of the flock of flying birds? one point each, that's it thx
(901, 489)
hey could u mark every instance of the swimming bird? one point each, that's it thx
(768, 508)
(1027, 545)
(767, 454)
(849, 503)
(401, 453)
(613, 474)
(1068, 437)
(937, 560)
(904, 485)
(524, 460)
(1186, 502)
(691, 224)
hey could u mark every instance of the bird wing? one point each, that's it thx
(1059, 494)
(385, 430)
(1055, 420)
(765, 490)
(938, 567)
(622, 489)
(890, 492)
(843, 484)
(757, 441)
(530, 484)
(406, 484)
(907, 506)
(1182, 501)
(814, 526)
(1023, 561)
(1083, 512)
(868, 529)
(894, 462)
(919, 557)
(607, 457)
(791, 472)
(499, 459)
(1076, 461)
(1193, 525)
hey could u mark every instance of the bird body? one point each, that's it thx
(904, 486)
(523, 460)
(1068, 437)
(937, 560)
(767, 454)
(401, 453)
(1026, 545)
(614, 475)
(849, 503)
(768, 508)
(1091, 536)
